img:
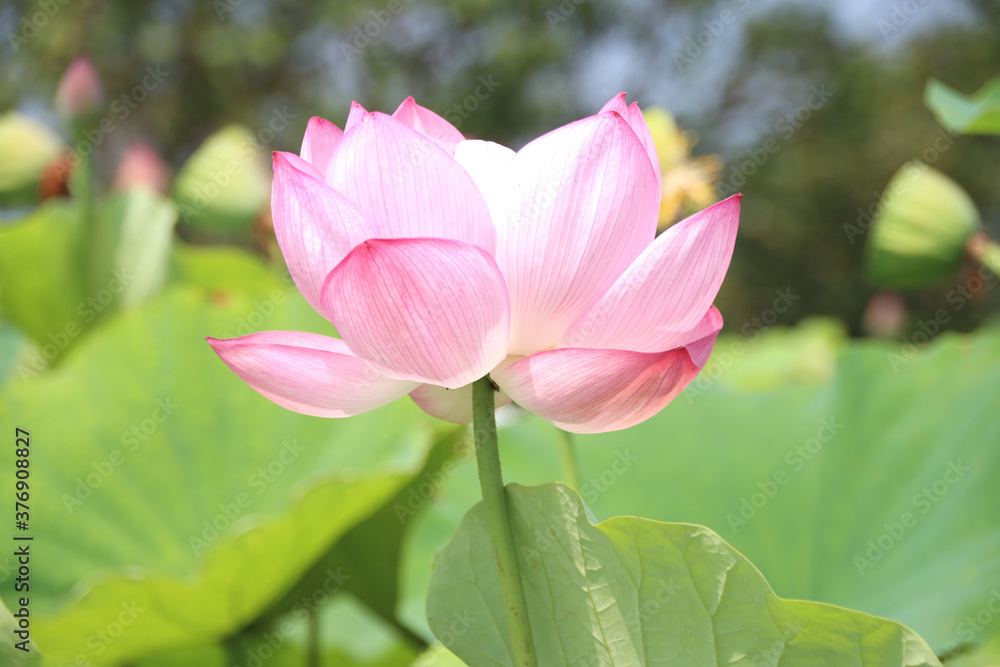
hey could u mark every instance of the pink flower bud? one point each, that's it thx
(80, 89)
(141, 165)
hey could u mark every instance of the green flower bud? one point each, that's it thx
(26, 149)
(919, 233)
(223, 185)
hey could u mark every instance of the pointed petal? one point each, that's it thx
(318, 142)
(582, 205)
(486, 162)
(667, 290)
(308, 373)
(407, 185)
(429, 124)
(429, 310)
(355, 116)
(299, 163)
(633, 115)
(593, 391)
(450, 405)
(315, 226)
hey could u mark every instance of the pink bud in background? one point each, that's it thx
(141, 165)
(80, 89)
(885, 315)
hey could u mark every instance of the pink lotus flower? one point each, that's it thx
(440, 260)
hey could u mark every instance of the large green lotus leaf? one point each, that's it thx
(15, 351)
(223, 268)
(367, 558)
(805, 354)
(632, 591)
(239, 576)
(815, 501)
(41, 278)
(877, 492)
(986, 655)
(349, 634)
(161, 483)
(437, 656)
(974, 114)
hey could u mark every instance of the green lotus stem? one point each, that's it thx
(568, 461)
(85, 197)
(498, 521)
(312, 658)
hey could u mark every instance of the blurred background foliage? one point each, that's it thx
(238, 61)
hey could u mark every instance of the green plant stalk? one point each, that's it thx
(312, 657)
(568, 461)
(83, 192)
(498, 521)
